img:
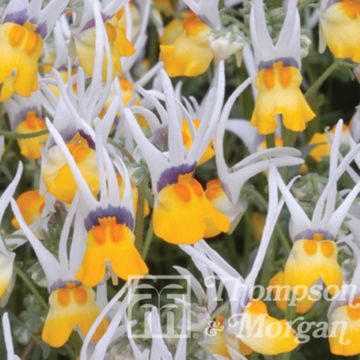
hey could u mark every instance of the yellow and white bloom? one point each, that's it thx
(22, 32)
(72, 304)
(225, 195)
(314, 253)
(278, 78)
(340, 28)
(25, 116)
(108, 224)
(180, 201)
(253, 325)
(85, 38)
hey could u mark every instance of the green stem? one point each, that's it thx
(313, 89)
(260, 199)
(15, 135)
(30, 284)
(270, 141)
(148, 239)
(139, 225)
(289, 315)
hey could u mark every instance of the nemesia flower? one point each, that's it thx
(109, 222)
(278, 79)
(225, 195)
(73, 113)
(322, 148)
(314, 253)
(340, 28)
(72, 304)
(85, 42)
(249, 311)
(22, 32)
(25, 116)
(31, 205)
(178, 56)
(7, 257)
(343, 313)
(180, 201)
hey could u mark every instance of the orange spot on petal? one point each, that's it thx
(16, 35)
(182, 192)
(310, 247)
(63, 296)
(80, 295)
(269, 78)
(327, 248)
(32, 42)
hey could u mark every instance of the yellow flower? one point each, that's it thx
(322, 148)
(208, 154)
(190, 53)
(311, 260)
(31, 147)
(340, 26)
(119, 45)
(184, 215)
(110, 241)
(344, 329)
(217, 340)
(214, 192)
(70, 307)
(264, 333)
(20, 49)
(57, 175)
(31, 205)
(280, 94)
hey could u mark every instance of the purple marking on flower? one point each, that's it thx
(20, 116)
(309, 233)
(61, 284)
(68, 133)
(41, 29)
(171, 175)
(91, 23)
(88, 138)
(18, 17)
(287, 61)
(122, 215)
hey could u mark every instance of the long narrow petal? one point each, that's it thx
(47, 260)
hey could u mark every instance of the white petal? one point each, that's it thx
(46, 259)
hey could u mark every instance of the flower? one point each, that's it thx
(225, 195)
(180, 201)
(22, 33)
(72, 304)
(178, 56)
(278, 78)
(248, 313)
(108, 223)
(31, 204)
(85, 38)
(314, 252)
(25, 116)
(340, 28)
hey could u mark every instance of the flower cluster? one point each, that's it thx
(160, 160)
